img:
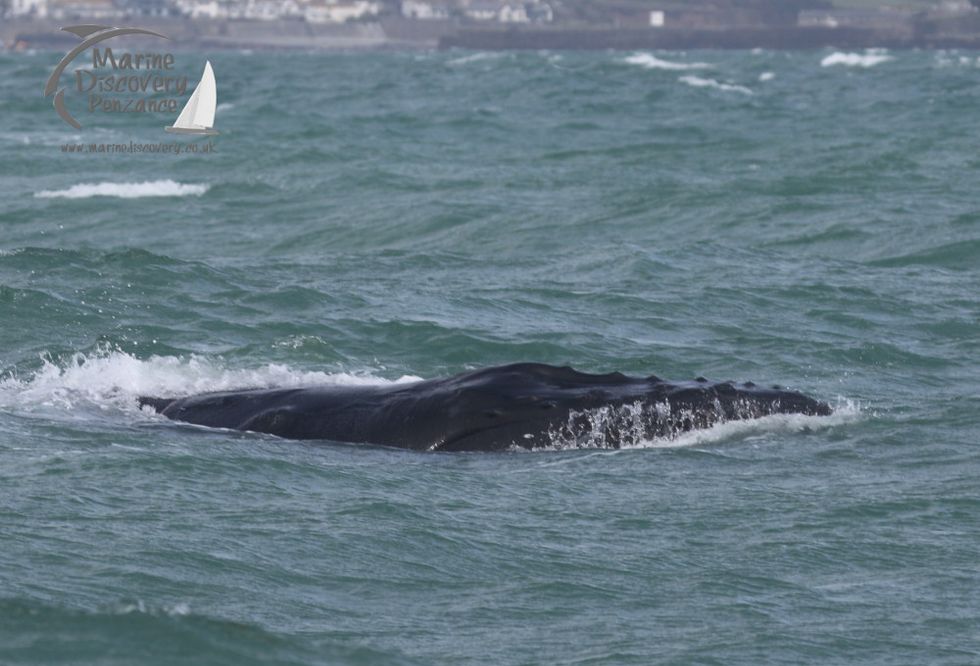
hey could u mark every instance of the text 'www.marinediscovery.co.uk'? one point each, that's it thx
(172, 148)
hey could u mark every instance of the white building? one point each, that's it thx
(339, 11)
(270, 10)
(513, 12)
(509, 11)
(482, 10)
(83, 9)
(204, 9)
(539, 12)
(38, 8)
(423, 10)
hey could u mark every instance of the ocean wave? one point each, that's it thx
(957, 255)
(767, 76)
(870, 58)
(114, 379)
(150, 188)
(944, 59)
(698, 82)
(648, 61)
(137, 632)
(474, 57)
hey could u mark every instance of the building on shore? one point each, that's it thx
(339, 11)
(426, 10)
(27, 8)
(80, 10)
(312, 11)
(495, 11)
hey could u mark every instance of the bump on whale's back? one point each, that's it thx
(524, 375)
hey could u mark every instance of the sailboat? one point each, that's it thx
(197, 117)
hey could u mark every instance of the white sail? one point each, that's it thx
(185, 119)
(198, 114)
(208, 100)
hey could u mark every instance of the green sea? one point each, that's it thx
(808, 219)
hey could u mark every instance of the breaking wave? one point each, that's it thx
(152, 188)
(648, 61)
(474, 57)
(868, 59)
(698, 82)
(114, 379)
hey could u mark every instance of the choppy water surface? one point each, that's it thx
(805, 219)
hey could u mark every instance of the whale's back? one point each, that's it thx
(527, 405)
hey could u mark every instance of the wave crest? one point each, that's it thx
(114, 379)
(869, 59)
(698, 82)
(648, 61)
(150, 188)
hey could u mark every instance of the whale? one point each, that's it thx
(510, 407)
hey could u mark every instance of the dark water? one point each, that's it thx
(370, 217)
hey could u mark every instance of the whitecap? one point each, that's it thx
(698, 82)
(870, 58)
(648, 61)
(114, 379)
(153, 188)
(474, 57)
(767, 76)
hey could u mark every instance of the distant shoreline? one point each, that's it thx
(396, 33)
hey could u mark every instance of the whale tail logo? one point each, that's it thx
(89, 34)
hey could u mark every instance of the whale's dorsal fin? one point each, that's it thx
(83, 31)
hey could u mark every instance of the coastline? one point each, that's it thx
(398, 33)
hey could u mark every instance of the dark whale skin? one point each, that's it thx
(524, 405)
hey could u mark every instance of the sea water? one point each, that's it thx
(807, 219)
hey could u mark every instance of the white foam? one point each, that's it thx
(224, 106)
(152, 188)
(114, 379)
(698, 82)
(767, 76)
(648, 61)
(870, 58)
(179, 609)
(474, 57)
(945, 60)
(846, 411)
